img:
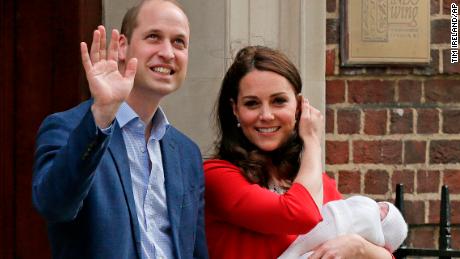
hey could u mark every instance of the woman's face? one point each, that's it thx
(266, 108)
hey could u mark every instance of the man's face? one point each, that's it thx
(160, 43)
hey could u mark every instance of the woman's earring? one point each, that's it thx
(238, 125)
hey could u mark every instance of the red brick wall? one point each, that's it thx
(388, 125)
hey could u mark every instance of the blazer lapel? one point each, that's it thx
(173, 182)
(117, 149)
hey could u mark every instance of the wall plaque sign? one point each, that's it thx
(385, 32)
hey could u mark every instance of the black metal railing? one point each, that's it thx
(445, 250)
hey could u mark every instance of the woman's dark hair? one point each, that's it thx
(232, 145)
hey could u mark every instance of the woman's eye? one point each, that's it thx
(250, 104)
(279, 100)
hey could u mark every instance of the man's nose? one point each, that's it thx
(166, 51)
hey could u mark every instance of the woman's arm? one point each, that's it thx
(310, 171)
(350, 247)
(231, 198)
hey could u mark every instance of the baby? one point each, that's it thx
(378, 222)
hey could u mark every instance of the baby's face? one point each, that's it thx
(383, 210)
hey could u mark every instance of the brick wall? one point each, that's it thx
(388, 125)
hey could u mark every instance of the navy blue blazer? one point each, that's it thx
(82, 187)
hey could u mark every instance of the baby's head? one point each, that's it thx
(393, 224)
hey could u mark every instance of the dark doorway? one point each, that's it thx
(40, 73)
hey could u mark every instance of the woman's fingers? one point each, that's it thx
(309, 111)
(306, 108)
(307, 103)
(311, 120)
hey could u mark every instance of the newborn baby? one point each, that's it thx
(378, 222)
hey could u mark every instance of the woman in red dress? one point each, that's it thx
(265, 184)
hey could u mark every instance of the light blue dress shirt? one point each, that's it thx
(148, 180)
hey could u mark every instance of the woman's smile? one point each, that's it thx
(266, 109)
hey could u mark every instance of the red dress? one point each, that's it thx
(244, 220)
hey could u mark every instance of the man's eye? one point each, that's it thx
(180, 43)
(153, 36)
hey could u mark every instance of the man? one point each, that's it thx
(112, 178)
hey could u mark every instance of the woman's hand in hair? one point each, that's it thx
(310, 131)
(310, 123)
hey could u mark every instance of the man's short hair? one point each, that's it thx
(130, 19)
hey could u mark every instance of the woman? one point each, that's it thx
(266, 183)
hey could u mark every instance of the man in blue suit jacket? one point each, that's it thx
(112, 178)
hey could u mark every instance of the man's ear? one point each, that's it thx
(123, 48)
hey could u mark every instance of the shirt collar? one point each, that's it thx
(126, 114)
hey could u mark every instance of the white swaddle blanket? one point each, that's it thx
(355, 215)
